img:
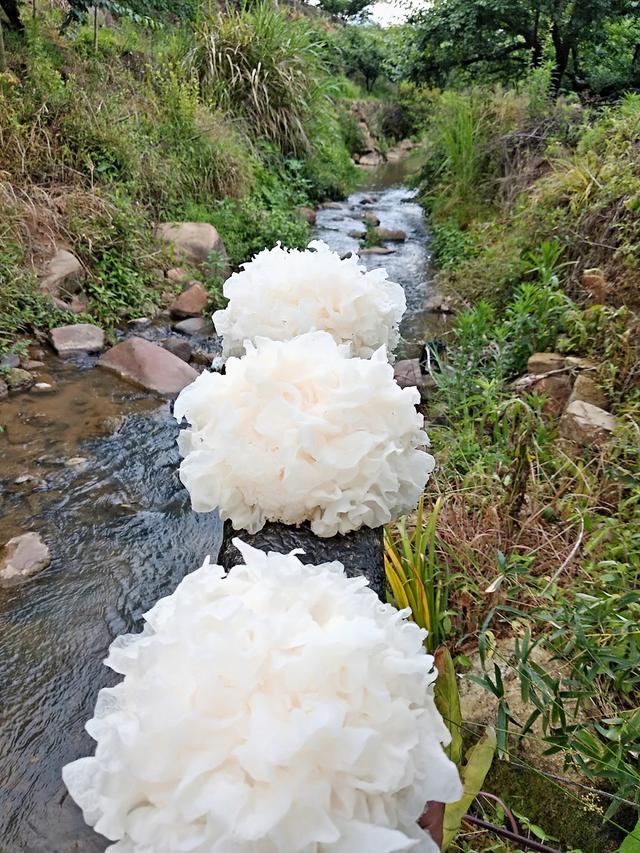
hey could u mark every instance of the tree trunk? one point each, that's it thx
(95, 29)
(562, 50)
(3, 59)
(10, 8)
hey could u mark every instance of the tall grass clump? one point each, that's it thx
(265, 68)
(458, 154)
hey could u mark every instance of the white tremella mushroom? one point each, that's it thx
(279, 709)
(299, 431)
(282, 293)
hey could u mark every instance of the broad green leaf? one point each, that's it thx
(473, 774)
(631, 844)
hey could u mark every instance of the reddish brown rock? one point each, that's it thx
(595, 284)
(557, 390)
(179, 274)
(190, 303)
(308, 214)
(148, 365)
(407, 374)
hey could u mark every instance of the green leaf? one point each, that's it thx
(447, 698)
(479, 760)
(631, 844)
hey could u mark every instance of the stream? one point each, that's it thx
(92, 467)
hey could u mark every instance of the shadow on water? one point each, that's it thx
(92, 467)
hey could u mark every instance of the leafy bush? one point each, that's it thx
(23, 307)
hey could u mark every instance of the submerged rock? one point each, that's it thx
(393, 235)
(4, 390)
(21, 558)
(148, 365)
(18, 379)
(361, 552)
(377, 250)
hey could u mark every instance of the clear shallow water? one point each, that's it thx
(396, 207)
(121, 534)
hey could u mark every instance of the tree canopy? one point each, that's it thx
(345, 9)
(510, 36)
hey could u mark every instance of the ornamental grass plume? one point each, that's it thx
(278, 709)
(283, 293)
(298, 431)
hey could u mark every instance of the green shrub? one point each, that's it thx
(23, 307)
(247, 226)
(114, 239)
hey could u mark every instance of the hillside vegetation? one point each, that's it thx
(158, 123)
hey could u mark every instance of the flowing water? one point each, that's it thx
(92, 467)
(384, 193)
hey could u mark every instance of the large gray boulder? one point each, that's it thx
(361, 552)
(77, 338)
(145, 364)
(586, 424)
(21, 558)
(193, 241)
(63, 275)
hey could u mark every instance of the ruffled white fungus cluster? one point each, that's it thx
(297, 431)
(283, 293)
(279, 709)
